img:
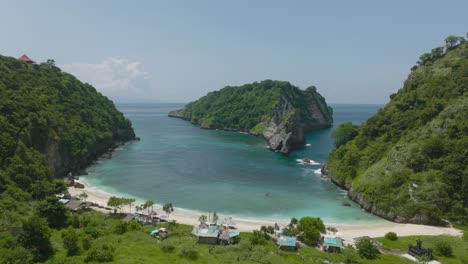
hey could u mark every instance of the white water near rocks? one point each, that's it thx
(231, 173)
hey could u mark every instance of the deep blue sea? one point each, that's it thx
(226, 172)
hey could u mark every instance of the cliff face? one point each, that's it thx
(51, 116)
(408, 163)
(278, 111)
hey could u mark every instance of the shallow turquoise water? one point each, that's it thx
(227, 172)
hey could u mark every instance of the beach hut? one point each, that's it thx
(287, 243)
(208, 236)
(331, 244)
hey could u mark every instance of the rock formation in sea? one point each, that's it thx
(278, 111)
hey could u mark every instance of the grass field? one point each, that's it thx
(137, 246)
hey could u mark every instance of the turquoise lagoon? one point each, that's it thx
(227, 172)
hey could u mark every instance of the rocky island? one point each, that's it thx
(408, 163)
(276, 110)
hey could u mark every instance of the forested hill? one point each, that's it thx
(408, 163)
(276, 110)
(51, 123)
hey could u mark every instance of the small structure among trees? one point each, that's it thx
(26, 59)
(419, 251)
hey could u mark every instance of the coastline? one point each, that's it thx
(347, 231)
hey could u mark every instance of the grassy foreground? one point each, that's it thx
(137, 246)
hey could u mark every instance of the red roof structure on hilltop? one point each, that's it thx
(25, 59)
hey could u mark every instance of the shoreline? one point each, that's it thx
(347, 231)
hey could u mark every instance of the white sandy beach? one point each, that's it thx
(346, 231)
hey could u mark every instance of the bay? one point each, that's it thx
(227, 172)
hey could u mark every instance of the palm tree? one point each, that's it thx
(168, 209)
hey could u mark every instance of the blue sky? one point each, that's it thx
(177, 51)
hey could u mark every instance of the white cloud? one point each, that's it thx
(114, 77)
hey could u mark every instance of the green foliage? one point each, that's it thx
(259, 237)
(391, 236)
(311, 228)
(251, 106)
(45, 114)
(367, 249)
(35, 237)
(410, 158)
(344, 133)
(350, 254)
(18, 255)
(86, 242)
(70, 241)
(168, 208)
(120, 228)
(101, 254)
(119, 202)
(190, 253)
(54, 211)
(167, 247)
(444, 248)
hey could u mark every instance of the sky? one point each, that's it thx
(177, 51)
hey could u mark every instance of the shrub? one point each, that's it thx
(258, 237)
(167, 247)
(444, 248)
(134, 225)
(120, 227)
(189, 253)
(391, 236)
(367, 249)
(70, 241)
(86, 242)
(350, 254)
(101, 254)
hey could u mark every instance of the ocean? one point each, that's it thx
(227, 172)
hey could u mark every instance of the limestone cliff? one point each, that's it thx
(278, 111)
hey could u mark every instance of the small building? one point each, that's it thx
(26, 59)
(128, 218)
(208, 236)
(331, 244)
(73, 205)
(287, 243)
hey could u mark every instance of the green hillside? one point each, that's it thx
(408, 163)
(50, 124)
(246, 107)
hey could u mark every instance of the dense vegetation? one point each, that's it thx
(408, 163)
(95, 237)
(251, 106)
(50, 124)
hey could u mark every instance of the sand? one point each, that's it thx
(345, 231)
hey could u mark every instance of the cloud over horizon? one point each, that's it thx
(117, 78)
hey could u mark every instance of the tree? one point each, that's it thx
(437, 52)
(202, 218)
(367, 249)
(50, 62)
(35, 237)
(70, 241)
(168, 208)
(148, 204)
(344, 133)
(54, 211)
(116, 203)
(423, 59)
(350, 255)
(83, 196)
(215, 217)
(451, 42)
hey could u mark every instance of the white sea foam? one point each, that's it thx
(318, 171)
(307, 145)
(307, 162)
